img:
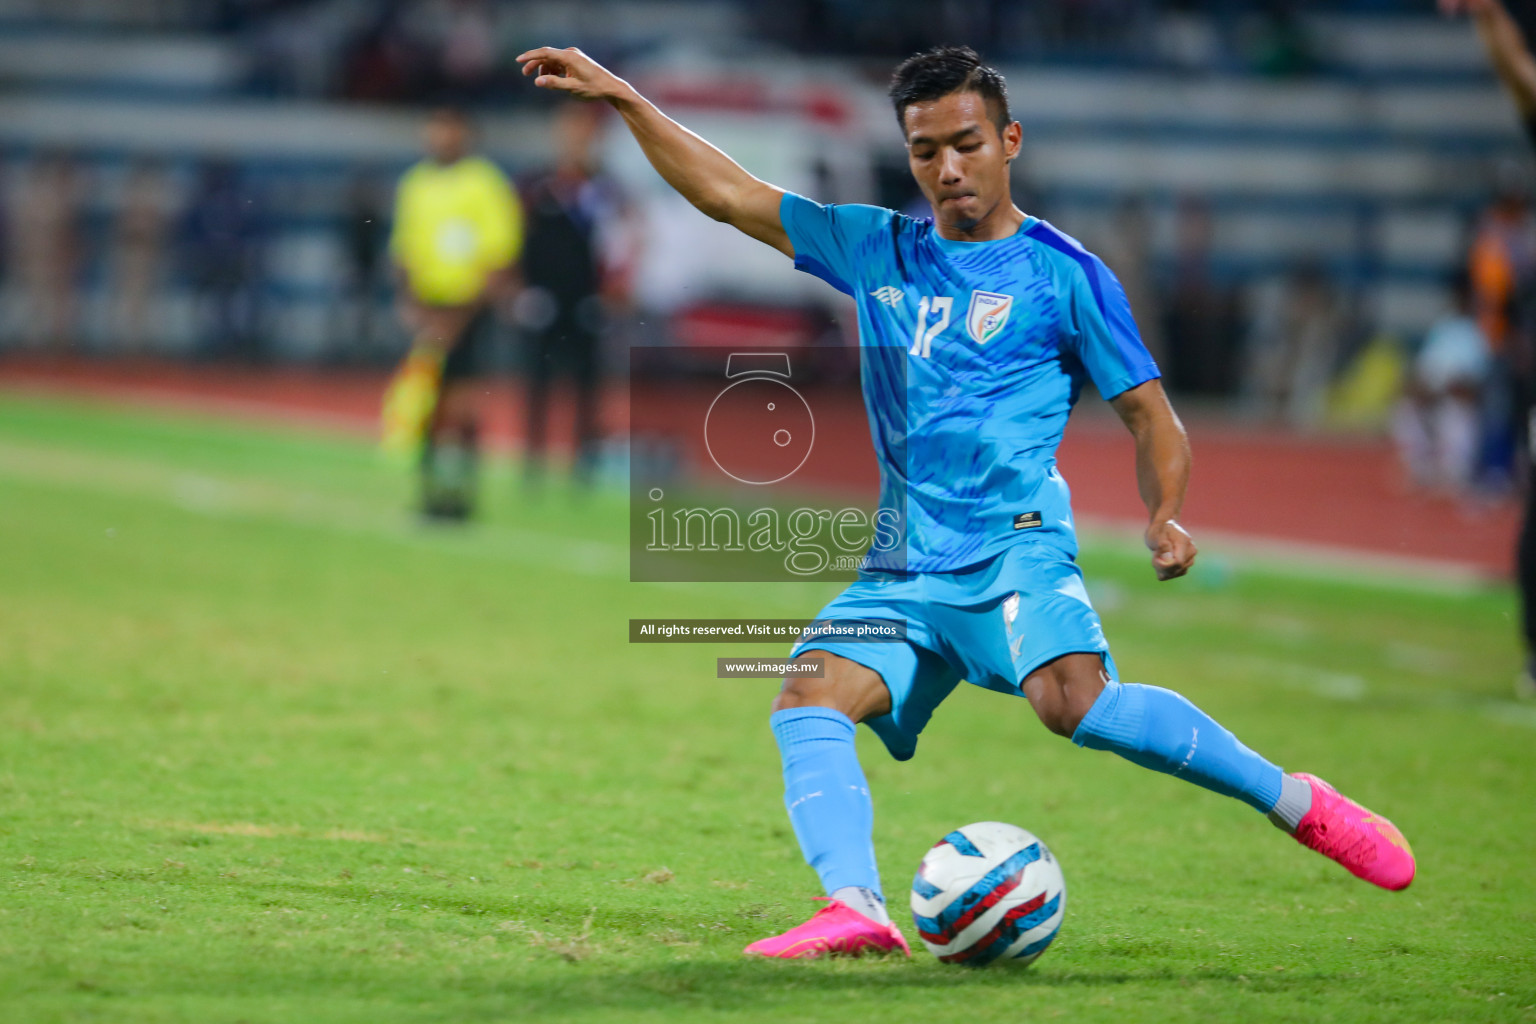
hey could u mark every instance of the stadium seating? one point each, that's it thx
(1371, 166)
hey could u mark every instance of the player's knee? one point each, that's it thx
(798, 692)
(1074, 707)
(1063, 693)
(1054, 711)
(842, 686)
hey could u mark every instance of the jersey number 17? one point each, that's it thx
(922, 338)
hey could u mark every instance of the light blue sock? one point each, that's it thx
(827, 797)
(1159, 729)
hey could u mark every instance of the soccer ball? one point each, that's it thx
(988, 893)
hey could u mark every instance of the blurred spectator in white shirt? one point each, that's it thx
(1436, 423)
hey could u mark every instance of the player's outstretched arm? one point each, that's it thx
(1506, 47)
(702, 174)
(1162, 473)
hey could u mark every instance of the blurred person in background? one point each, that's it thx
(223, 237)
(458, 231)
(48, 253)
(1128, 251)
(292, 46)
(1502, 262)
(468, 46)
(364, 235)
(138, 254)
(1436, 423)
(1203, 317)
(570, 206)
(1516, 67)
(1293, 350)
(382, 64)
(451, 45)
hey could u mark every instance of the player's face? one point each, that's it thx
(959, 158)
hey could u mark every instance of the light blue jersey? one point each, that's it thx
(998, 338)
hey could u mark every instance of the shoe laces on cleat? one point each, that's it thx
(1353, 845)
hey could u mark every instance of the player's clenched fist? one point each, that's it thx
(1173, 551)
(570, 71)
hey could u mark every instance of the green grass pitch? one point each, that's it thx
(271, 752)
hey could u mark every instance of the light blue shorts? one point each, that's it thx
(992, 624)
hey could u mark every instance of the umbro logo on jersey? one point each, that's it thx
(889, 294)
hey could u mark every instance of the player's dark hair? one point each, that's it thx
(948, 69)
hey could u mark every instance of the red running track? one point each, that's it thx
(1329, 493)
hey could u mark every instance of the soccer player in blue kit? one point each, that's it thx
(1000, 318)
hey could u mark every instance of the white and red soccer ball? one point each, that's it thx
(988, 893)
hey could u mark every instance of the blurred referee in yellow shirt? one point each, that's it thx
(458, 232)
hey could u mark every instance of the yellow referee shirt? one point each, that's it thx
(454, 226)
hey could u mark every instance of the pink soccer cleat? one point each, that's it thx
(1367, 844)
(834, 930)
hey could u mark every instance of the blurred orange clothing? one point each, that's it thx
(1491, 266)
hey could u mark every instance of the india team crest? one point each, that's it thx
(987, 315)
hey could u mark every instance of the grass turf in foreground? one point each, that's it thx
(270, 752)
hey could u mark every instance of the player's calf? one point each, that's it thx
(1159, 729)
(814, 721)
